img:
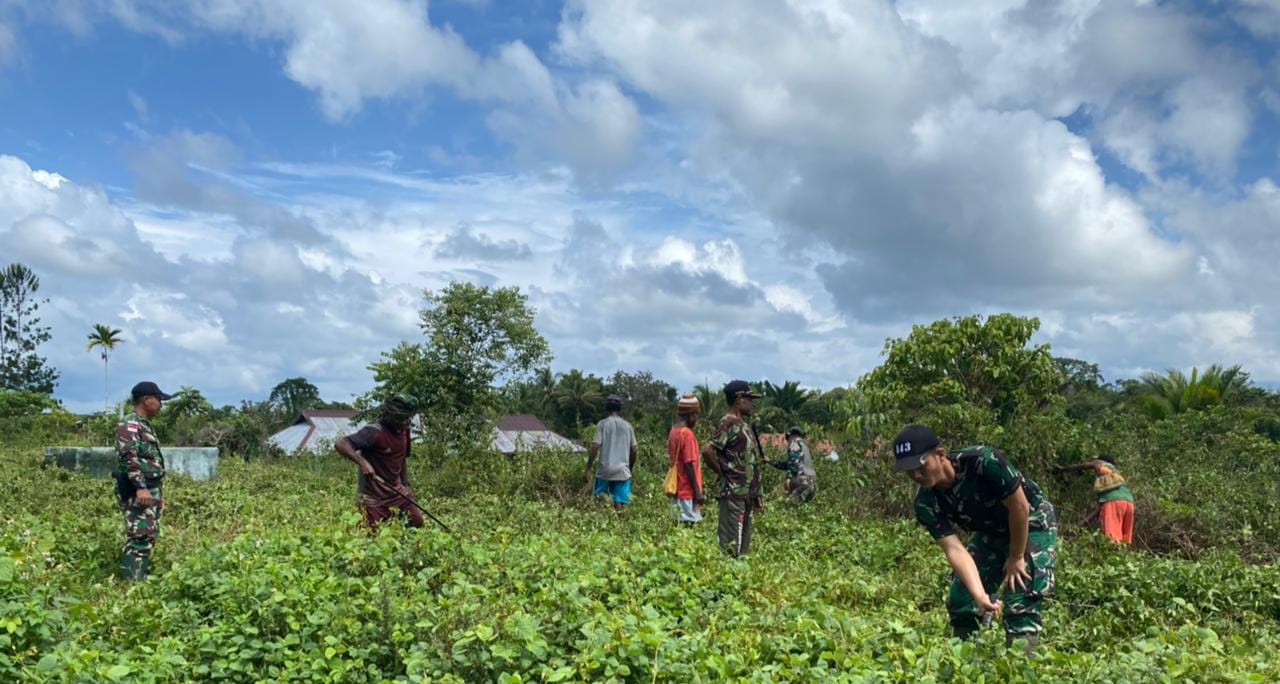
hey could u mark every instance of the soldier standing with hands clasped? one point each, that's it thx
(139, 480)
(731, 453)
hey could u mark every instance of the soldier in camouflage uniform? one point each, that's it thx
(139, 480)
(802, 479)
(1013, 531)
(731, 453)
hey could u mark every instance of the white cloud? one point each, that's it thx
(350, 51)
(8, 45)
(171, 316)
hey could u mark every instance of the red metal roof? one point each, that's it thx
(522, 423)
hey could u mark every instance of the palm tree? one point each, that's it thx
(578, 393)
(104, 339)
(788, 396)
(544, 389)
(713, 402)
(1164, 395)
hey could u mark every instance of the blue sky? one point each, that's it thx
(259, 189)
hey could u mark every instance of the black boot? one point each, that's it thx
(133, 568)
(129, 568)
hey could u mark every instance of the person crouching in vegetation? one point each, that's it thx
(381, 452)
(1115, 499)
(1013, 531)
(802, 479)
(140, 480)
(615, 444)
(682, 447)
(732, 454)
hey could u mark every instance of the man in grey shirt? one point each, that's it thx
(802, 480)
(615, 444)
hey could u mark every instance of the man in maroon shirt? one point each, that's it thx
(380, 450)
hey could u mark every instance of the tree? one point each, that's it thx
(21, 368)
(104, 339)
(985, 364)
(788, 398)
(712, 400)
(293, 396)
(475, 337)
(642, 393)
(1161, 396)
(857, 418)
(1086, 393)
(579, 396)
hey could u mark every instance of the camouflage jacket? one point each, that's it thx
(735, 443)
(138, 451)
(974, 502)
(798, 461)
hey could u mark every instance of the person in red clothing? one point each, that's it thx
(682, 447)
(1115, 499)
(381, 451)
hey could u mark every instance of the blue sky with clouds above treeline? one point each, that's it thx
(260, 189)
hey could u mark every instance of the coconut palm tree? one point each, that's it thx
(788, 397)
(104, 339)
(579, 394)
(712, 400)
(1164, 395)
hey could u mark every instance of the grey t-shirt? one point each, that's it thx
(615, 437)
(806, 461)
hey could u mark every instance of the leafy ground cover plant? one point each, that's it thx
(263, 575)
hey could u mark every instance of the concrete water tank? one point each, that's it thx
(197, 463)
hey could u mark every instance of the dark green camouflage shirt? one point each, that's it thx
(138, 451)
(734, 442)
(798, 461)
(974, 502)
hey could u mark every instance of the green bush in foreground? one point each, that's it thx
(263, 576)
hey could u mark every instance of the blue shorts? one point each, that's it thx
(619, 489)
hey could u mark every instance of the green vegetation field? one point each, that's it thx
(262, 575)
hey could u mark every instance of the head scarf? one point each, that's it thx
(399, 407)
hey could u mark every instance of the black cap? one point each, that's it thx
(737, 388)
(913, 444)
(613, 402)
(1107, 458)
(797, 430)
(148, 389)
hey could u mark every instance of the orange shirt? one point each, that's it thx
(682, 447)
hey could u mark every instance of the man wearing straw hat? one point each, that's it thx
(682, 447)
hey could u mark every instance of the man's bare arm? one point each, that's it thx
(351, 453)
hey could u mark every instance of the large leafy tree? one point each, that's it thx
(293, 396)
(642, 393)
(105, 339)
(988, 365)
(21, 367)
(476, 337)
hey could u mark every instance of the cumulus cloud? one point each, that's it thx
(191, 170)
(1163, 91)
(463, 242)
(348, 51)
(925, 177)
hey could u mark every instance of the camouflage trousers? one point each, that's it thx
(734, 526)
(1021, 606)
(141, 529)
(802, 488)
